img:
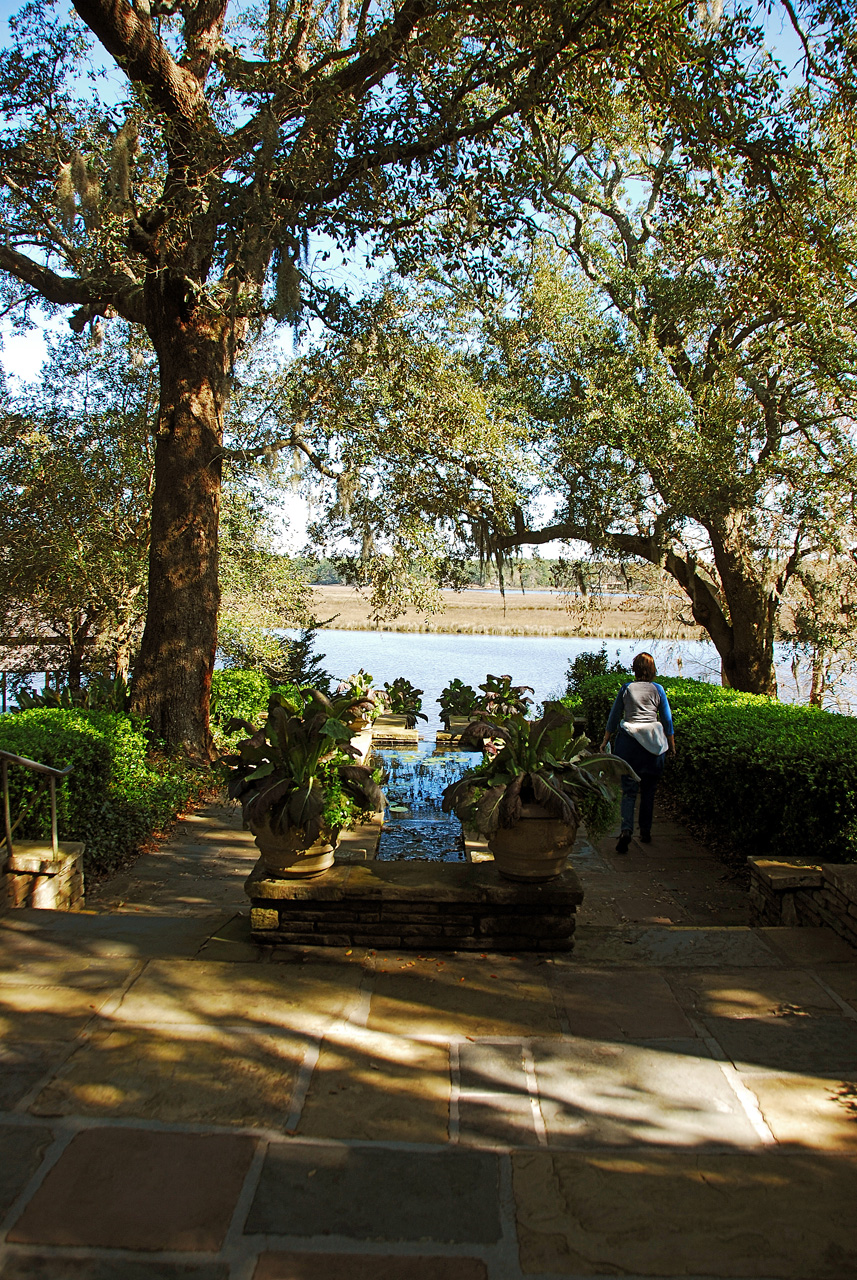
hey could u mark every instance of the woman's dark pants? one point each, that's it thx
(649, 767)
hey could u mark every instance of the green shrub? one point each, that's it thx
(772, 778)
(778, 779)
(118, 793)
(587, 666)
(239, 693)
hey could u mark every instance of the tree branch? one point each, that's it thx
(121, 291)
(130, 39)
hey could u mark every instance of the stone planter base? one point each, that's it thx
(801, 892)
(33, 877)
(393, 730)
(412, 906)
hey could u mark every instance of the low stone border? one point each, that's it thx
(415, 906)
(34, 877)
(801, 892)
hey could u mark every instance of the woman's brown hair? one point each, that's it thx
(644, 667)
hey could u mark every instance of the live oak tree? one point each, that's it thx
(174, 163)
(678, 361)
(680, 394)
(706, 423)
(174, 177)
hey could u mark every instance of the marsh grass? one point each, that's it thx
(482, 613)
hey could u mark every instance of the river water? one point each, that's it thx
(432, 659)
(415, 827)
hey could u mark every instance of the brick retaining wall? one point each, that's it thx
(798, 892)
(416, 906)
(33, 877)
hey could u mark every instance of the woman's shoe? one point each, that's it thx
(623, 842)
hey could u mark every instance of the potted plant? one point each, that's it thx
(457, 705)
(502, 699)
(404, 701)
(529, 798)
(298, 783)
(368, 701)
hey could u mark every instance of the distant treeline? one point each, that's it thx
(532, 574)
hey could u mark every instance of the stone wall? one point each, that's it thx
(415, 906)
(33, 877)
(799, 892)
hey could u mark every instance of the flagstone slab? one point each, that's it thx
(33, 965)
(503, 1122)
(46, 1013)
(842, 980)
(807, 946)
(811, 1111)
(492, 1068)
(23, 1065)
(137, 1189)
(129, 936)
(765, 1216)
(55, 1266)
(372, 1193)
(21, 1152)
(622, 1004)
(351, 1266)
(600, 1093)
(818, 1045)
(177, 1077)
(494, 1106)
(232, 943)
(681, 946)
(751, 993)
(379, 1087)
(465, 996)
(304, 998)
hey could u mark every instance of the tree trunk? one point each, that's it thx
(77, 648)
(172, 680)
(748, 661)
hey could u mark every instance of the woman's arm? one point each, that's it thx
(615, 716)
(665, 716)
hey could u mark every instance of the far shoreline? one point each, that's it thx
(482, 612)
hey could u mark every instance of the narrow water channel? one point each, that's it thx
(415, 827)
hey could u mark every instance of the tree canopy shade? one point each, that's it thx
(672, 379)
(76, 459)
(180, 188)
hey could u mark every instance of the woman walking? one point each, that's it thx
(642, 716)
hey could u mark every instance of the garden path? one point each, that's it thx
(678, 1097)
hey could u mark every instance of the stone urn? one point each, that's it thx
(286, 855)
(535, 849)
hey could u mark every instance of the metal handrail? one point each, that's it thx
(7, 758)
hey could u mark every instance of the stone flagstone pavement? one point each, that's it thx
(677, 1097)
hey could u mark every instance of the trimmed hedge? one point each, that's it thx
(238, 693)
(244, 694)
(775, 779)
(116, 796)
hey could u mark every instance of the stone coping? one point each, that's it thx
(442, 882)
(36, 857)
(800, 873)
(791, 873)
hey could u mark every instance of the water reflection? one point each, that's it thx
(415, 827)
